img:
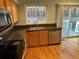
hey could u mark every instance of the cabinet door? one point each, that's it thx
(43, 37)
(34, 38)
(34, 41)
(2, 4)
(15, 12)
(8, 5)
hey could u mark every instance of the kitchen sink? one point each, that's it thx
(37, 28)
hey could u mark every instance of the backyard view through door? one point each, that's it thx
(70, 21)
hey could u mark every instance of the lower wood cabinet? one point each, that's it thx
(34, 41)
(37, 38)
(33, 38)
(43, 37)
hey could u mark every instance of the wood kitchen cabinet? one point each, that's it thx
(2, 4)
(8, 5)
(36, 38)
(12, 7)
(32, 38)
(15, 12)
(43, 37)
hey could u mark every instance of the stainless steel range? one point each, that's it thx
(5, 19)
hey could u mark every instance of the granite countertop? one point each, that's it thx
(38, 27)
(34, 25)
(41, 28)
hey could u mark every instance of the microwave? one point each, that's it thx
(5, 19)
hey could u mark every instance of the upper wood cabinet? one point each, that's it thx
(2, 4)
(8, 5)
(11, 6)
(15, 12)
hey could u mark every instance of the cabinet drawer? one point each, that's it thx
(35, 33)
(43, 32)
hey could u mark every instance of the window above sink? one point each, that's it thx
(36, 14)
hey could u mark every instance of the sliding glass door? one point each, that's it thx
(65, 23)
(70, 22)
(74, 22)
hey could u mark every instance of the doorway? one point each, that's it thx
(70, 21)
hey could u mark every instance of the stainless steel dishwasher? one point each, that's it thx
(54, 37)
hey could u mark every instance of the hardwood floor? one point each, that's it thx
(69, 49)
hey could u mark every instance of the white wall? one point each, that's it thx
(51, 8)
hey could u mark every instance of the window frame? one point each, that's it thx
(27, 18)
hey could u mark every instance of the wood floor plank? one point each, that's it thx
(68, 49)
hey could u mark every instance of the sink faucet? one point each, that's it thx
(35, 22)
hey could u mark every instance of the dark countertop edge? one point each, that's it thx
(21, 27)
(54, 29)
(33, 25)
